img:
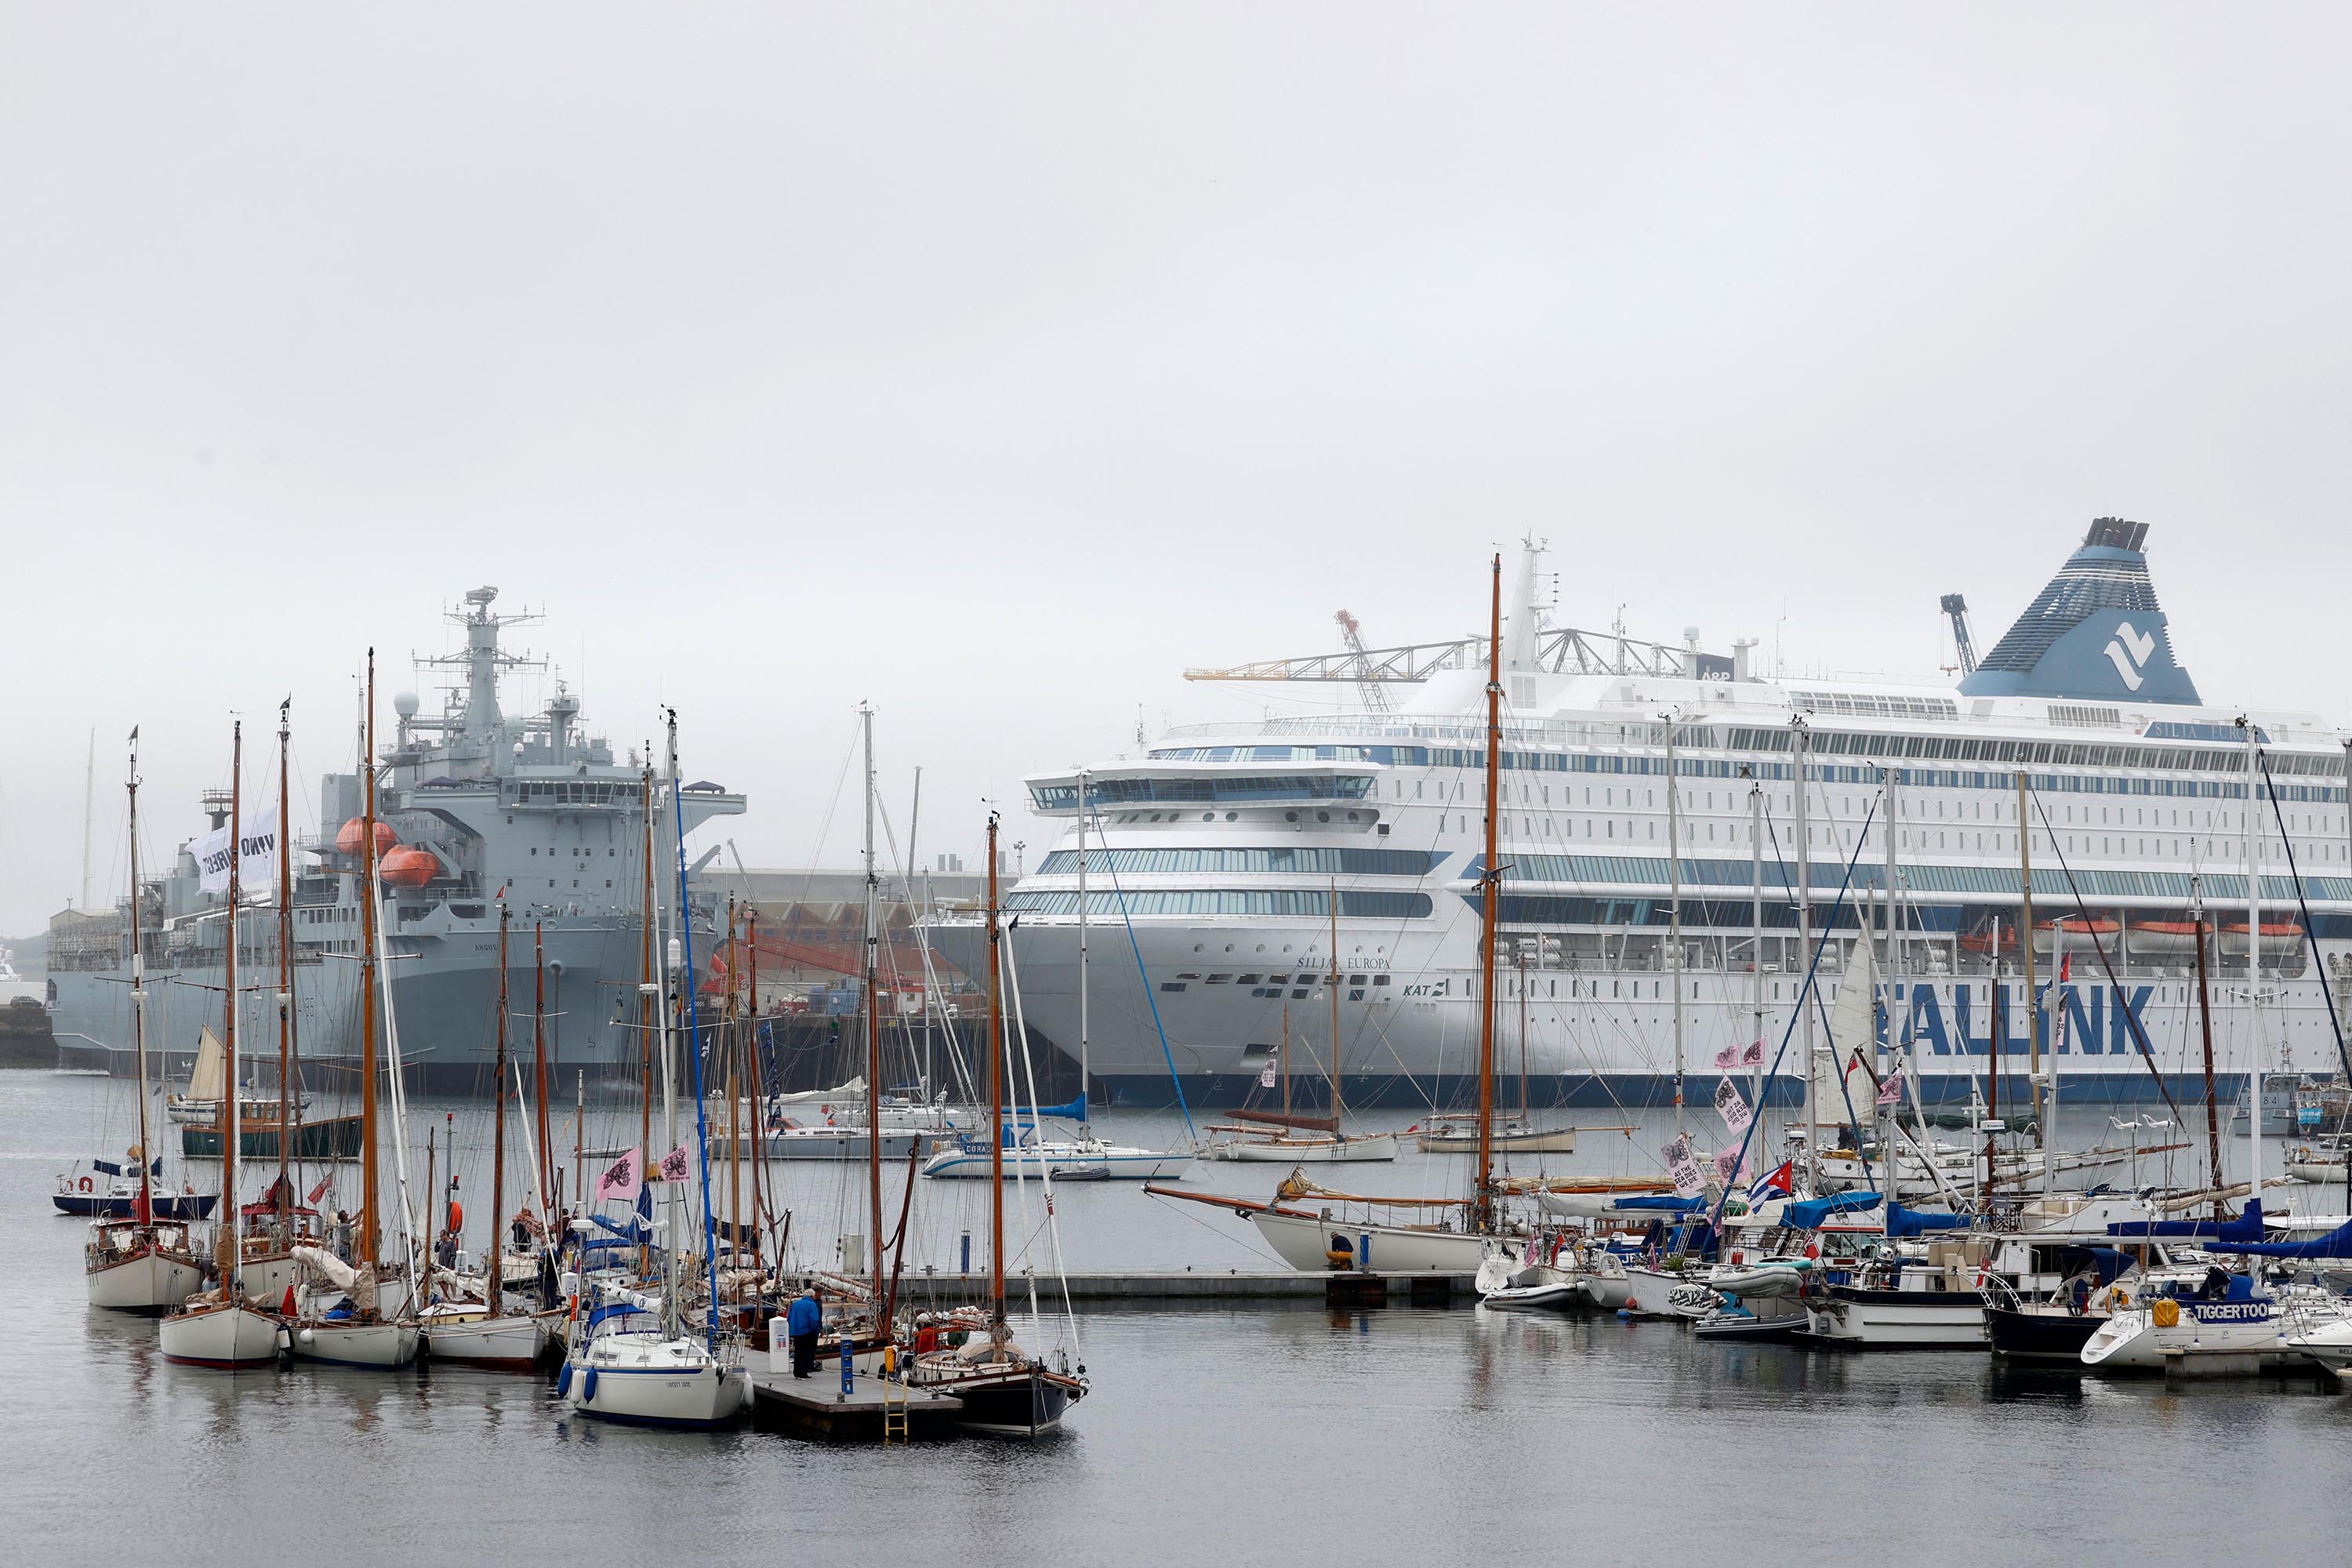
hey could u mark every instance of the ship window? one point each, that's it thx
(1298, 996)
(1171, 986)
(1380, 980)
(1220, 979)
(1249, 980)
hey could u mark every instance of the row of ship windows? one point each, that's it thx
(1632, 870)
(1304, 901)
(1339, 862)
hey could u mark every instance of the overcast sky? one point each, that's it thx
(994, 363)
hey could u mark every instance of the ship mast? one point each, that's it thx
(494, 1271)
(1483, 1203)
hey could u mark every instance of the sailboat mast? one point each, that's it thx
(1882, 1115)
(539, 1064)
(1797, 740)
(648, 990)
(873, 1027)
(670, 1317)
(1335, 1009)
(368, 1248)
(1674, 912)
(284, 971)
(1483, 1201)
(494, 1256)
(995, 1098)
(2205, 1027)
(2032, 998)
(139, 995)
(1282, 1054)
(232, 1244)
(1084, 1075)
(2253, 969)
(1756, 940)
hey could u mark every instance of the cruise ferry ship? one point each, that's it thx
(1221, 846)
(482, 804)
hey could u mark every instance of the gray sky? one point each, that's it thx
(995, 362)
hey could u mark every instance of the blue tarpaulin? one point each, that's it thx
(1902, 1222)
(1809, 1215)
(1665, 1202)
(2247, 1227)
(2337, 1243)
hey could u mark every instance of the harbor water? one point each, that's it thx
(1230, 1432)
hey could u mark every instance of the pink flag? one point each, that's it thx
(1727, 1059)
(1753, 1056)
(674, 1165)
(1891, 1091)
(1727, 1165)
(620, 1180)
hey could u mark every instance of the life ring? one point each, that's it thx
(84, 1185)
(2117, 1297)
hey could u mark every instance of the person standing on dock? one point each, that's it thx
(801, 1323)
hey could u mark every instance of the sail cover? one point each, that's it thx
(1810, 1214)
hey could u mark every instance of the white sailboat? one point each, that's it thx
(139, 1264)
(222, 1329)
(631, 1360)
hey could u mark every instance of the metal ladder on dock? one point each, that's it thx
(894, 1407)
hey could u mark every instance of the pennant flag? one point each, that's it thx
(1688, 1181)
(1891, 1091)
(1772, 1183)
(1732, 1106)
(621, 1179)
(676, 1166)
(316, 1192)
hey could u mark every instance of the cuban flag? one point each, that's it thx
(1771, 1184)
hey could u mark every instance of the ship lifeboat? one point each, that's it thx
(2164, 938)
(354, 833)
(2080, 934)
(2274, 938)
(409, 867)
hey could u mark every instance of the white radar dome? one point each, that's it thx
(405, 704)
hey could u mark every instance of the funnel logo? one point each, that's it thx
(2128, 651)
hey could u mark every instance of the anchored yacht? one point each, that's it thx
(1222, 845)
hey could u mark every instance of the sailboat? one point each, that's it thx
(339, 1318)
(1406, 1234)
(1025, 1148)
(139, 1264)
(631, 1359)
(483, 1333)
(220, 1328)
(1004, 1390)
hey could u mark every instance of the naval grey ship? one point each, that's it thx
(485, 807)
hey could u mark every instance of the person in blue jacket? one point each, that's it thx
(802, 1322)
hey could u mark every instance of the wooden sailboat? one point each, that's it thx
(220, 1328)
(481, 1331)
(1003, 1390)
(139, 1264)
(339, 1318)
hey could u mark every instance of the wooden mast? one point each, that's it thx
(1336, 1131)
(139, 997)
(494, 1266)
(539, 1063)
(368, 1246)
(874, 1036)
(285, 979)
(752, 1068)
(2205, 1027)
(1483, 1201)
(2032, 1001)
(995, 1101)
(734, 1119)
(648, 994)
(231, 1248)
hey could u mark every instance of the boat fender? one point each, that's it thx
(85, 1184)
(563, 1381)
(588, 1387)
(307, 1336)
(2165, 1314)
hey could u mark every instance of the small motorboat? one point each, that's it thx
(106, 1191)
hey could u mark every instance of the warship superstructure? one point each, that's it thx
(476, 805)
(1222, 845)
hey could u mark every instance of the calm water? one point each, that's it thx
(1233, 1435)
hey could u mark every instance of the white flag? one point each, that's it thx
(258, 854)
(1266, 1078)
(1732, 1106)
(1684, 1168)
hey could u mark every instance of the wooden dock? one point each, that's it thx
(814, 1406)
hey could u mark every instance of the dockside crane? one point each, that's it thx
(1375, 699)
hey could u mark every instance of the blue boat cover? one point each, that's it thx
(2247, 1227)
(638, 1231)
(1902, 1222)
(1074, 1110)
(1665, 1201)
(109, 1166)
(2337, 1243)
(1809, 1215)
